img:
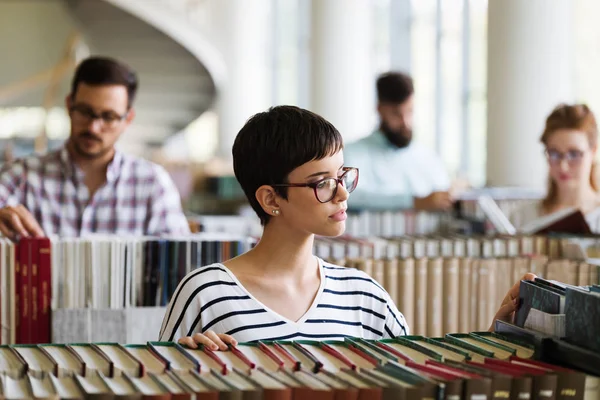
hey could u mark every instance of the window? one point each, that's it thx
(448, 64)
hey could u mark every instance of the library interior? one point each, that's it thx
(299, 199)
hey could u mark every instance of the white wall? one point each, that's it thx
(529, 73)
(39, 27)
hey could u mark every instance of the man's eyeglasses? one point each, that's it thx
(326, 189)
(84, 115)
(572, 157)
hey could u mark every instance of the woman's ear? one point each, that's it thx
(268, 199)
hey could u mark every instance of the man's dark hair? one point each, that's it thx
(394, 87)
(273, 143)
(105, 71)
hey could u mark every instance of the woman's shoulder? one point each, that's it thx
(212, 273)
(351, 278)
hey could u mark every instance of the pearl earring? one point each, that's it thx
(276, 212)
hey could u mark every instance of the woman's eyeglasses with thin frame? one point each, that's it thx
(572, 157)
(326, 189)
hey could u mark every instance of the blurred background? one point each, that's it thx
(486, 75)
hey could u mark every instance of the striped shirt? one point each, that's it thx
(348, 303)
(138, 198)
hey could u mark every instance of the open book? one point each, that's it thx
(569, 220)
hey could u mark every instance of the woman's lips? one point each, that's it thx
(339, 216)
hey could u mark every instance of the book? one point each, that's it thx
(538, 296)
(498, 219)
(564, 221)
(568, 220)
(582, 318)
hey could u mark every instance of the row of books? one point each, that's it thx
(37, 275)
(477, 246)
(397, 223)
(436, 296)
(475, 366)
(426, 276)
(461, 294)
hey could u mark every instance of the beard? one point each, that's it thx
(400, 138)
(81, 149)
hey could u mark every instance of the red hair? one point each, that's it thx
(576, 117)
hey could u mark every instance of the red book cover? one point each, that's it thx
(34, 326)
(23, 286)
(44, 290)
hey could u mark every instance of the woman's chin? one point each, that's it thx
(567, 184)
(332, 230)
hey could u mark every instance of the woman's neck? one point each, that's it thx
(585, 198)
(282, 252)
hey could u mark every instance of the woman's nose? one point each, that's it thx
(564, 165)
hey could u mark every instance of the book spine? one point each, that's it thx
(34, 283)
(23, 286)
(45, 291)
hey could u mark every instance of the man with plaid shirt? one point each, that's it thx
(88, 186)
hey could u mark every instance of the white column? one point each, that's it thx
(342, 79)
(243, 32)
(400, 35)
(529, 73)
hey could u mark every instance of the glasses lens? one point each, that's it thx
(80, 115)
(554, 156)
(326, 190)
(574, 155)
(351, 180)
(110, 119)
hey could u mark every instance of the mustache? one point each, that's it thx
(400, 138)
(90, 135)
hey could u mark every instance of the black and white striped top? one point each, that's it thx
(348, 303)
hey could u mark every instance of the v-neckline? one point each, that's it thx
(305, 316)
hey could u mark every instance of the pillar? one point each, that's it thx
(529, 73)
(342, 78)
(243, 32)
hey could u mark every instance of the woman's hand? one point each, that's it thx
(214, 341)
(506, 312)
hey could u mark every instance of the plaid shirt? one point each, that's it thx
(138, 198)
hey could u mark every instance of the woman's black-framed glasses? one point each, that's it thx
(326, 189)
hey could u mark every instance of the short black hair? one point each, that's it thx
(105, 71)
(394, 87)
(273, 143)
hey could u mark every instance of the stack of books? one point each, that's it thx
(474, 366)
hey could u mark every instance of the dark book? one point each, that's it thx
(544, 382)
(582, 318)
(570, 384)
(163, 273)
(539, 297)
(567, 354)
(500, 384)
(173, 268)
(563, 221)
